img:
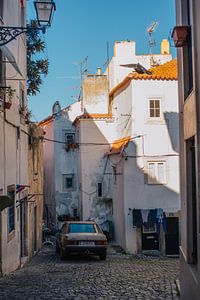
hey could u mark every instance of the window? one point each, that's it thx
(69, 138)
(11, 209)
(22, 99)
(150, 229)
(100, 189)
(154, 108)
(114, 175)
(156, 172)
(68, 182)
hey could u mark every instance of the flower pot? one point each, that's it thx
(180, 35)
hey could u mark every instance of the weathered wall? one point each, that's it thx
(36, 189)
(14, 142)
(189, 127)
(94, 170)
(95, 94)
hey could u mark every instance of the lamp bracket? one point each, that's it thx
(7, 34)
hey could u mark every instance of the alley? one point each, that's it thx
(119, 277)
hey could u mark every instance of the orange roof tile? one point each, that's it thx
(119, 145)
(167, 71)
(93, 116)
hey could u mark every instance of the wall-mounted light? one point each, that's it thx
(44, 12)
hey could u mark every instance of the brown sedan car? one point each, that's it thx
(81, 237)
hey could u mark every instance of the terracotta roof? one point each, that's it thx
(45, 121)
(93, 116)
(167, 71)
(119, 145)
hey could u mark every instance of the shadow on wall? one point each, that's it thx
(172, 121)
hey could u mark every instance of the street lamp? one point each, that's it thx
(44, 12)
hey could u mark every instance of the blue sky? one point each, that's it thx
(81, 28)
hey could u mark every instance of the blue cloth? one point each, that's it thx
(137, 217)
(159, 214)
(152, 217)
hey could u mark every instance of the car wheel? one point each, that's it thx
(102, 256)
(62, 254)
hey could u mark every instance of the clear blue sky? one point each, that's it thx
(82, 28)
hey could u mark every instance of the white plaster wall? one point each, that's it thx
(158, 141)
(92, 162)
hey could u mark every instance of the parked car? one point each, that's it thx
(81, 237)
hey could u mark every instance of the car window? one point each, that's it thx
(81, 228)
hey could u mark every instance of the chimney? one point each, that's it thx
(165, 49)
(124, 49)
(99, 71)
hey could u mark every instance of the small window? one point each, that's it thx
(154, 108)
(11, 210)
(68, 182)
(114, 175)
(100, 189)
(22, 100)
(156, 172)
(69, 138)
(150, 229)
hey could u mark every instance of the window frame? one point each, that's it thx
(100, 189)
(64, 183)
(156, 180)
(149, 109)
(11, 209)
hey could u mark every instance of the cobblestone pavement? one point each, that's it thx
(119, 277)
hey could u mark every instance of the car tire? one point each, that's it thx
(62, 254)
(102, 256)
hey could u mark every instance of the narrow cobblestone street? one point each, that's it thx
(119, 277)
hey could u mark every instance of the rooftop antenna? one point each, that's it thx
(150, 30)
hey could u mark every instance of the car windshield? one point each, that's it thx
(81, 228)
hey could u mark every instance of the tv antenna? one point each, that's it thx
(150, 30)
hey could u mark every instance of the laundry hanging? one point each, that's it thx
(137, 218)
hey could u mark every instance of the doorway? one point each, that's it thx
(172, 236)
(150, 238)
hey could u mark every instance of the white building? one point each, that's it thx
(61, 193)
(145, 163)
(141, 169)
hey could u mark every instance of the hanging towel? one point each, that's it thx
(160, 215)
(145, 213)
(152, 217)
(137, 217)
